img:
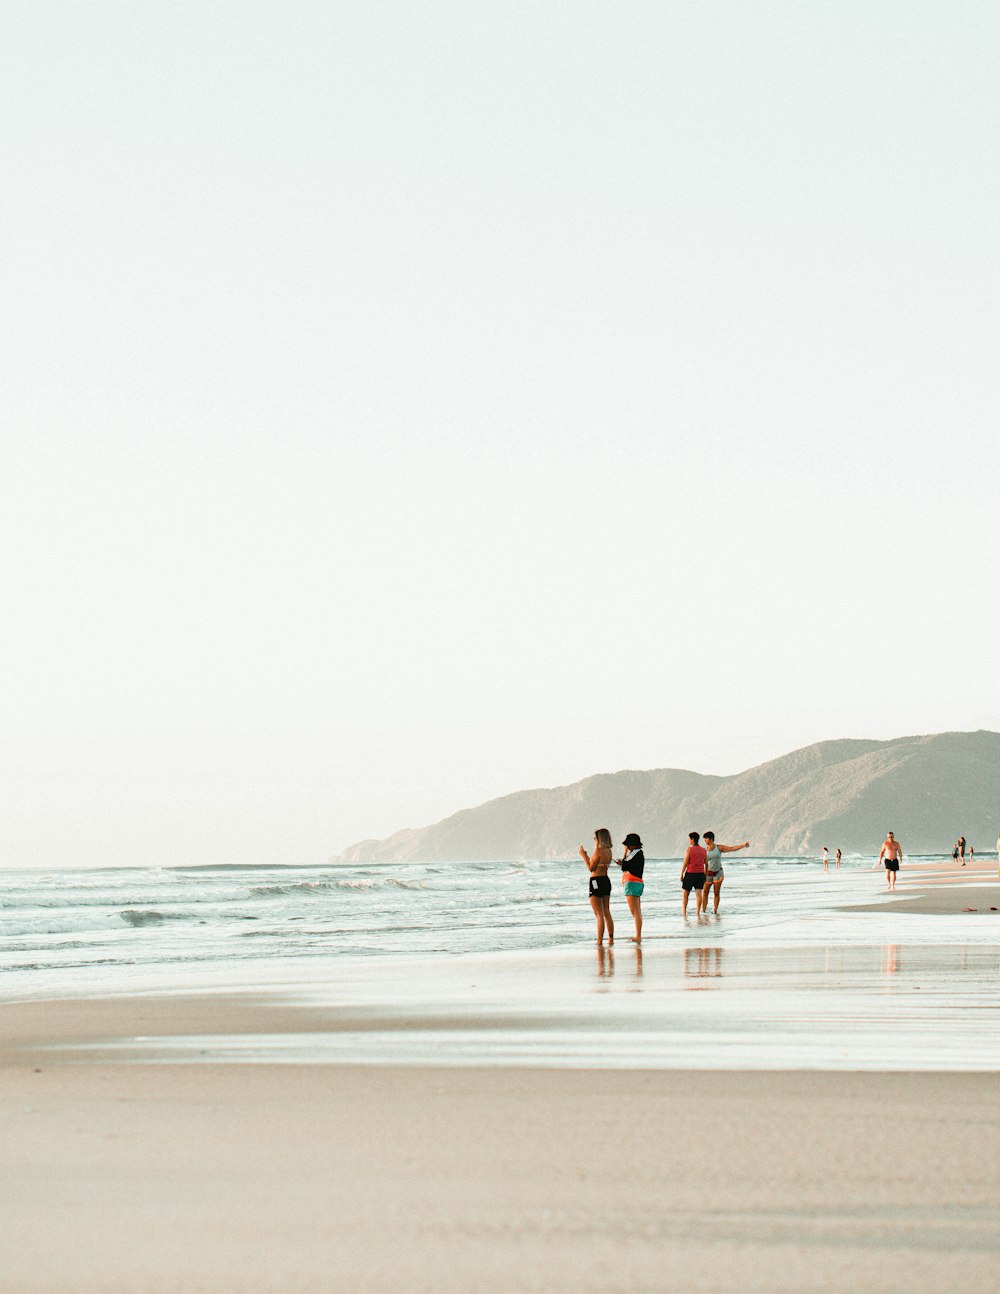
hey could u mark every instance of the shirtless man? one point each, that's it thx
(892, 852)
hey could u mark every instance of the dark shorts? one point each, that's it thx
(892, 864)
(693, 881)
(600, 887)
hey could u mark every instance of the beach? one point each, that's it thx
(806, 1105)
(374, 1178)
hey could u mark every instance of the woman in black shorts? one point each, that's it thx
(600, 882)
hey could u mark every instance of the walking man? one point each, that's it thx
(892, 853)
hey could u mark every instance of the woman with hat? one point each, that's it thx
(632, 864)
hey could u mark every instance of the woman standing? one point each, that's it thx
(632, 864)
(693, 874)
(714, 875)
(600, 882)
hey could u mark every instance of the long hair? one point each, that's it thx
(603, 837)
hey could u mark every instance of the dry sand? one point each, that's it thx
(245, 1178)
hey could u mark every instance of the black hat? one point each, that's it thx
(632, 841)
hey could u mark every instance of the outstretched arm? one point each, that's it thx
(731, 849)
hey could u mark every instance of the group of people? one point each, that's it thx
(701, 873)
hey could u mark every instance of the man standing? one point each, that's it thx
(892, 852)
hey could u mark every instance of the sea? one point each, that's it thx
(495, 963)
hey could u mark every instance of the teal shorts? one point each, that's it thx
(634, 888)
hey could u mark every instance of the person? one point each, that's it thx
(600, 883)
(961, 849)
(892, 852)
(714, 875)
(632, 863)
(838, 858)
(826, 859)
(972, 854)
(693, 874)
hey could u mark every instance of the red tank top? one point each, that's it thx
(696, 859)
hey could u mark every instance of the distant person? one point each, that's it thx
(838, 858)
(600, 883)
(693, 874)
(954, 853)
(714, 875)
(961, 849)
(972, 855)
(632, 863)
(826, 859)
(892, 854)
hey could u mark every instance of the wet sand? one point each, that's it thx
(153, 1178)
(940, 900)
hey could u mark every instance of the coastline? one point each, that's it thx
(468, 1173)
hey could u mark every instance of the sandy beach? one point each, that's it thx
(798, 1096)
(209, 1177)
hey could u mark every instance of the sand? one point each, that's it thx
(208, 1177)
(943, 889)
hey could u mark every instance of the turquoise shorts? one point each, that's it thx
(634, 888)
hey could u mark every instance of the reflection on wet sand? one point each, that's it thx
(605, 962)
(891, 964)
(703, 963)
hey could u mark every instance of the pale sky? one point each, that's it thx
(404, 404)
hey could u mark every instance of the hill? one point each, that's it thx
(845, 793)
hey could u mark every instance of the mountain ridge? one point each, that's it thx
(845, 792)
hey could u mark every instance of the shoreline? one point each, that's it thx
(296, 1178)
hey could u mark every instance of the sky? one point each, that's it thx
(404, 404)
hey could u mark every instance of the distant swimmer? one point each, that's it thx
(838, 858)
(892, 854)
(600, 883)
(714, 875)
(633, 863)
(826, 859)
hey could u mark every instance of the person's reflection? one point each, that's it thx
(638, 962)
(890, 959)
(703, 963)
(605, 962)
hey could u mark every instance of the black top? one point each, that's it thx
(635, 864)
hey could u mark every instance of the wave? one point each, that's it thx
(149, 917)
(293, 887)
(406, 885)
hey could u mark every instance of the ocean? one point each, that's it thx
(498, 962)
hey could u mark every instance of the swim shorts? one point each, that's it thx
(892, 864)
(600, 887)
(634, 888)
(693, 881)
(712, 877)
